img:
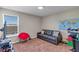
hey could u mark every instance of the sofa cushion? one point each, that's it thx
(40, 34)
(45, 36)
(52, 37)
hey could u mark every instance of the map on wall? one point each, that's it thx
(71, 23)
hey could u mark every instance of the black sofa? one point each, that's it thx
(52, 36)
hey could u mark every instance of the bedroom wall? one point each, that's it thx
(52, 21)
(28, 23)
(33, 24)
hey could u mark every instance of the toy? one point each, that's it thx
(5, 43)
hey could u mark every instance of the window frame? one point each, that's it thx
(11, 35)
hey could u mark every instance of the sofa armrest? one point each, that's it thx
(39, 33)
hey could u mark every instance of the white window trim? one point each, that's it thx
(11, 35)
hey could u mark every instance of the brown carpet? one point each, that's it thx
(38, 45)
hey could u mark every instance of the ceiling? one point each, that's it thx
(48, 10)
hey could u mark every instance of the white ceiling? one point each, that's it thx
(34, 11)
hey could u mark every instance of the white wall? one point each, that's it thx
(52, 21)
(33, 24)
(28, 23)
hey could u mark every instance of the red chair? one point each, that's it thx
(23, 36)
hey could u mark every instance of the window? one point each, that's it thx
(12, 23)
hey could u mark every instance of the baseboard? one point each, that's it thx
(34, 37)
(20, 41)
(15, 42)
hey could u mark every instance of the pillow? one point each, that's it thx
(49, 32)
(55, 33)
(45, 32)
(42, 32)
